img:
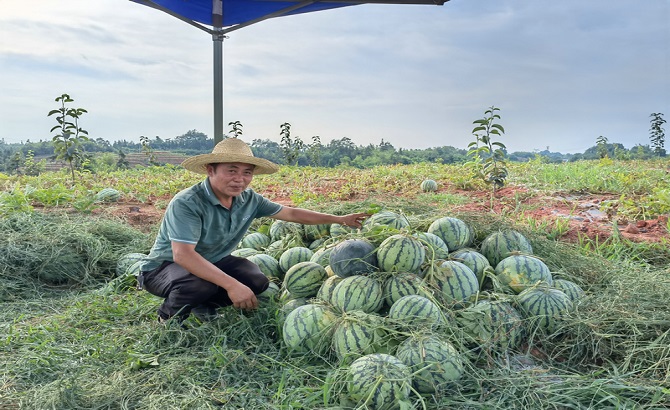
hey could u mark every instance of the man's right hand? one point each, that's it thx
(242, 297)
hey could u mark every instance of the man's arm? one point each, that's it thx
(240, 294)
(308, 217)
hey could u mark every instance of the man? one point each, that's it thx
(190, 265)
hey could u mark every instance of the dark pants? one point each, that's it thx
(183, 290)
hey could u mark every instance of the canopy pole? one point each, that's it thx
(217, 38)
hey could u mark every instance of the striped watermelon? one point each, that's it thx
(255, 240)
(244, 252)
(435, 246)
(358, 334)
(428, 185)
(379, 381)
(435, 363)
(546, 307)
(353, 257)
(456, 282)
(269, 294)
(268, 265)
(403, 284)
(386, 219)
(108, 195)
(473, 260)
(455, 233)
(308, 328)
(325, 292)
(340, 230)
(518, 272)
(570, 288)
(287, 306)
(317, 243)
(313, 232)
(358, 293)
(400, 253)
(125, 261)
(293, 256)
(304, 279)
(282, 229)
(492, 325)
(322, 256)
(499, 245)
(412, 311)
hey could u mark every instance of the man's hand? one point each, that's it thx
(242, 297)
(354, 220)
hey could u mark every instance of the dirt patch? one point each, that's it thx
(587, 215)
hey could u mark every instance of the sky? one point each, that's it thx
(562, 73)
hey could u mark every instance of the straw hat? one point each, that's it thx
(230, 150)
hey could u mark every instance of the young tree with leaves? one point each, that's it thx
(657, 134)
(291, 148)
(490, 156)
(68, 142)
(601, 147)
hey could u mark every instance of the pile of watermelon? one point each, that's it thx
(385, 302)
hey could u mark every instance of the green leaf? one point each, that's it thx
(498, 126)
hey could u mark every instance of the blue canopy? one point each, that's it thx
(224, 16)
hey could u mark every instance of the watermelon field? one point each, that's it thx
(549, 293)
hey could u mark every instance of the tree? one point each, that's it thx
(68, 142)
(657, 134)
(601, 147)
(314, 151)
(291, 147)
(490, 157)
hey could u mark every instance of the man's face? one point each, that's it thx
(230, 179)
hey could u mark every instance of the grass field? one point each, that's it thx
(77, 335)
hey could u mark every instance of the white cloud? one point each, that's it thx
(562, 73)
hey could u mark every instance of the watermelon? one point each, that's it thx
(400, 253)
(255, 240)
(455, 233)
(308, 328)
(412, 311)
(269, 294)
(108, 195)
(340, 230)
(386, 219)
(358, 293)
(428, 185)
(293, 256)
(570, 288)
(473, 260)
(287, 306)
(492, 325)
(322, 256)
(304, 279)
(353, 257)
(518, 272)
(313, 232)
(435, 246)
(456, 282)
(125, 261)
(403, 284)
(244, 252)
(499, 245)
(268, 265)
(283, 229)
(435, 363)
(317, 243)
(325, 292)
(358, 334)
(546, 307)
(379, 381)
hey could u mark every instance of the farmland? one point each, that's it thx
(89, 339)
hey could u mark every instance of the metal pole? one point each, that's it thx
(217, 39)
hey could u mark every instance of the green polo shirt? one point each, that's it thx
(196, 216)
